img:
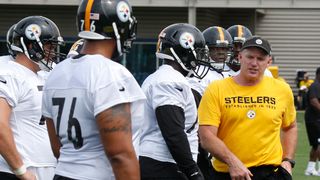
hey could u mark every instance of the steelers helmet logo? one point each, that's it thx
(186, 40)
(123, 11)
(258, 41)
(251, 114)
(33, 31)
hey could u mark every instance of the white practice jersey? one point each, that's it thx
(167, 86)
(268, 73)
(228, 72)
(201, 84)
(22, 89)
(6, 58)
(75, 92)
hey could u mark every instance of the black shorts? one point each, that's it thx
(151, 169)
(265, 172)
(58, 177)
(8, 176)
(313, 132)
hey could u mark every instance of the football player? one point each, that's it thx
(219, 43)
(169, 141)
(25, 146)
(93, 105)
(239, 34)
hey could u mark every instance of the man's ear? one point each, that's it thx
(269, 60)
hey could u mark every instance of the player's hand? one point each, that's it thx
(28, 176)
(287, 166)
(239, 172)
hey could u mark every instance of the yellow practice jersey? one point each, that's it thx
(307, 83)
(249, 118)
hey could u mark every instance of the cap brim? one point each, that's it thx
(257, 46)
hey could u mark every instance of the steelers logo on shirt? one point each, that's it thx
(251, 114)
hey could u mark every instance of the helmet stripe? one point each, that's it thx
(87, 15)
(240, 31)
(221, 34)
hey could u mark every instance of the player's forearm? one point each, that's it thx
(114, 125)
(125, 166)
(171, 123)
(289, 141)
(54, 139)
(216, 147)
(8, 148)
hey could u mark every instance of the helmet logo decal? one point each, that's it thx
(186, 40)
(123, 11)
(258, 41)
(94, 16)
(33, 31)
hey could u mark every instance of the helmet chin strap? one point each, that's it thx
(116, 33)
(179, 61)
(25, 50)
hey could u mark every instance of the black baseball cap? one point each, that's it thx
(256, 41)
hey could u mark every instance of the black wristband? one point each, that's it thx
(291, 161)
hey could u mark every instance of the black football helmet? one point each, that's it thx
(9, 40)
(185, 44)
(219, 42)
(75, 48)
(30, 36)
(107, 19)
(239, 34)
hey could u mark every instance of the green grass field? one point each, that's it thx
(302, 153)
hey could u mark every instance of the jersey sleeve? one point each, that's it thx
(46, 104)
(168, 93)
(120, 88)
(10, 89)
(290, 110)
(209, 110)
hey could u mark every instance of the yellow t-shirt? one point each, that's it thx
(249, 118)
(307, 83)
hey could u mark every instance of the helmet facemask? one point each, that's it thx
(46, 53)
(124, 43)
(219, 55)
(199, 66)
(239, 35)
(233, 61)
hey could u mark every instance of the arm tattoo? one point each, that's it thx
(117, 118)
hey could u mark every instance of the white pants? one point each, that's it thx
(43, 173)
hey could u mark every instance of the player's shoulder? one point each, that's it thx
(165, 77)
(11, 68)
(5, 59)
